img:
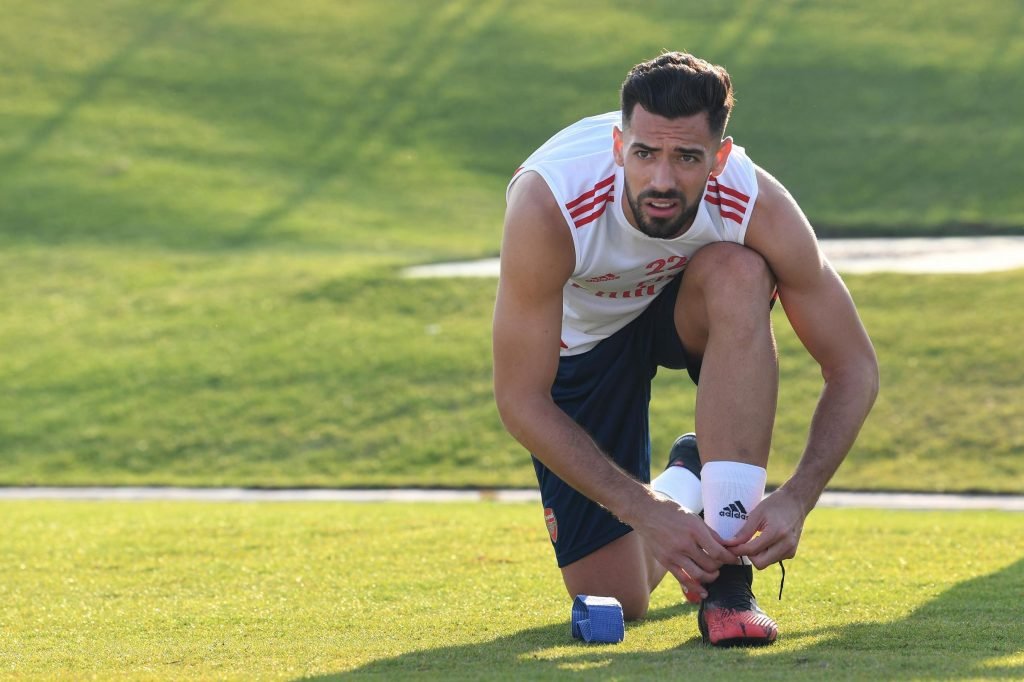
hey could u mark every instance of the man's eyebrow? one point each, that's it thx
(695, 151)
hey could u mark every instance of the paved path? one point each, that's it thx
(915, 255)
(135, 494)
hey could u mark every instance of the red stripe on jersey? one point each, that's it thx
(517, 171)
(734, 193)
(563, 344)
(586, 195)
(580, 210)
(714, 196)
(719, 201)
(736, 218)
(580, 222)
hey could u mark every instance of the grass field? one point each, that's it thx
(204, 206)
(392, 126)
(276, 369)
(464, 591)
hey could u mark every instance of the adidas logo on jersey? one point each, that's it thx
(734, 510)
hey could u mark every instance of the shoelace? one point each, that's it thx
(782, 580)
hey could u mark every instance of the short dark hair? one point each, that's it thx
(676, 84)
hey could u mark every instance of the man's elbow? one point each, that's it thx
(861, 371)
(870, 373)
(874, 376)
(510, 404)
(517, 409)
(506, 405)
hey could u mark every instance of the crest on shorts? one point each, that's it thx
(552, 523)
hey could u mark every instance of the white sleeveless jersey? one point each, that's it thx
(619, 270)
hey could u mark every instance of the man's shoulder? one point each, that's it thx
(577, 146)
(779, 230)
(773, 199)
(577, 164)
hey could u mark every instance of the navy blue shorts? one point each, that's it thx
(607, 391)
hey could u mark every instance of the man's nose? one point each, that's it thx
(661, 179)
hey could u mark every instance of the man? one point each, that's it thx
(645, 238)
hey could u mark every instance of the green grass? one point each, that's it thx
(204, 206)
(392, 127)
(460, 591)
(284, 369)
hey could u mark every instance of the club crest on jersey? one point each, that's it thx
(552, 523)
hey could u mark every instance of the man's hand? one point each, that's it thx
(777, 523)
(683, 544)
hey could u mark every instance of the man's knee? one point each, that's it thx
(635, 607)
(619, 569)
(635, 599)
(730, 268)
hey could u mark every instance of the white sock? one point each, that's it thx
(731, 491)
(682, 486)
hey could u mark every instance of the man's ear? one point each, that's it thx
(617, 145)
(721, 157)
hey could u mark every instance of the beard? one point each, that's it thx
(661, 228)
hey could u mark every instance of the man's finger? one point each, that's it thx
(717, 552)
(688, 571)
(714, 534)
(768, 557)
(692, 592)
(692, 587)
(781, 548)
(712, 545)
(746, 531)
(755, 546)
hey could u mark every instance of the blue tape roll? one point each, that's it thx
(597, 619)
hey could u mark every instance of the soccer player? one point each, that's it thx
(645, 238)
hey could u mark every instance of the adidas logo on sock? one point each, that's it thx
(735, 510)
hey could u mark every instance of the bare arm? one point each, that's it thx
(823, 315)
(537, 259)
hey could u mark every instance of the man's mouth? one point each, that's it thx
(661, 208)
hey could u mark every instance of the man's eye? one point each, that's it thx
(643, 154)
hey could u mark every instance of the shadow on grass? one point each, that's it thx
(964, 632)
(92, 82)
(354, 134)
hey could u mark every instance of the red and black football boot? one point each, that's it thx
(730, 615)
